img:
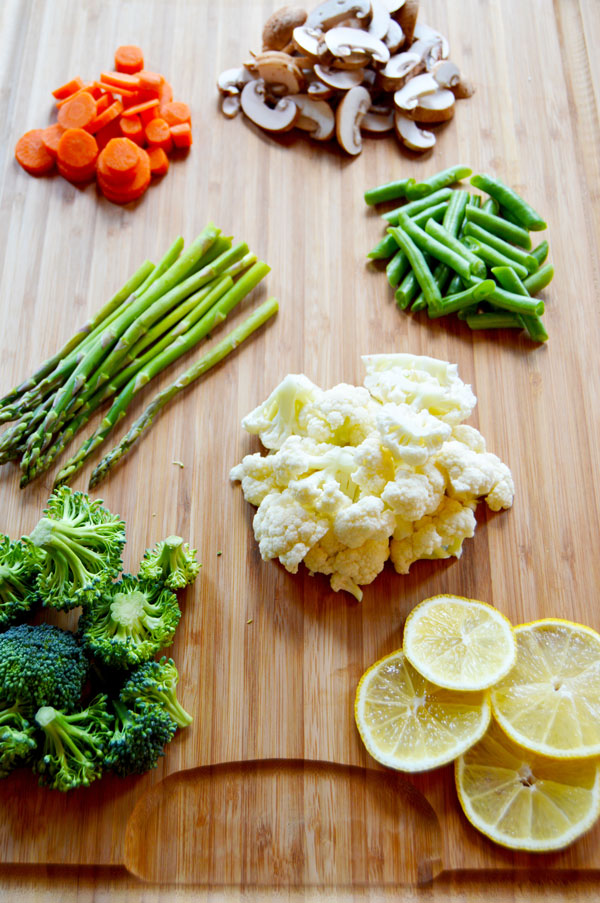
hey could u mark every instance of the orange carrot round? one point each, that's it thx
(132, 128)
(112, 112)
(104, 102)
(51, 136)
(159, 162)
(32, 154)
(121, 157)
(165, 94)
(182, 135)
(150, 81)
(69, 88)
(76, 155)
(134, 189)
(176, 113)
(129, 58)
(158, 134)
(104, 135)
(77, 112)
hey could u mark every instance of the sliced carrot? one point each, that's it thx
(104, 102)
(132, 191)
(165, 94)
(150, 81)
(68, 89)
(159, 162)
(104, 135)
(176, 113)
(158, 134)
(182, 135)
(129, 58)
(76, 155)
(78, 112)
(51, 136)
(116, 89)
(120, 158)
(132, 128)
(121, 79)
(86, 89)
(112, 112)
(148, 115)
(32, 154)
(141, 108)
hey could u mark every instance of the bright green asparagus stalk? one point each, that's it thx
(163, 265)
(206, 362)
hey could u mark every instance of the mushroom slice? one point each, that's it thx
(309, 41)
(409, 133)
(231, 81)
(230, 105)
(462, 90)
(406, 18)
(326, 15)
(409, 96)
(426, 33)
(340, 79)
(342, 42)
(279, 118)
(316, 117)
(446, 73)
(399, 68)
(277, 68)
(394, 37)
(393, 6)
(279, 27)
(355, 104)
(377, 123)
(380, 20)
(435, 107)
(318, 89)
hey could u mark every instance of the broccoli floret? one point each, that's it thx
(130, 622)
(82, 544)
(74, 745)
(17, 740)
(42, 665)
(156, 683)
(17, 581)
(140, 737)
(171, 561)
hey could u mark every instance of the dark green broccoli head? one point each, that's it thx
(17, 736)
(82, 544)
(156, 683)
(171, 561)
(42, 665)
(74, 745)
(129, 622)
(17, 581)
(140, 736)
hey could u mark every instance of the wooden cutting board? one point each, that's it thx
(271, 786)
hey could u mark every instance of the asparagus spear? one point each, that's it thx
(208, 360)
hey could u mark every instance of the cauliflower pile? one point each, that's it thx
(356, 475)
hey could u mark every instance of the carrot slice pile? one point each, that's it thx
(119, 128)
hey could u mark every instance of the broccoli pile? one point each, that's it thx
(74, 705)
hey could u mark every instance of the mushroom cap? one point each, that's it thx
(409, 95)
(406, 16)
(231, 81)
(435, 107)
(279, 27)
(309, 41)
(354, 105)
(342, 42)
(409, 133)
(339, 79)
(316, 117)
(327, 14)
(446, 73)
(377, 123)
(426, 33)
(401, 65)
(274, 119)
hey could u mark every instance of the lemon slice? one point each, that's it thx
(461, 644)
(410, 724)
(550, 701)
(525, 801)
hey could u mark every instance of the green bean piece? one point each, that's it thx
(517, 304)
(540, 252)
(475, 200)
(540, 279)
(478, 267)
(493, 320)
(384, 249)
(441, 274)
(493, 257)
(491, 206)
(509, 217)
(397, 268)
(509, 280)
(388, 192)
(420, 303)
(423, 274)
(437, 213)
(417, 206)
(516, 254)
(455, 212)
(455, 285)
(511, 201)
(440, 180)
(439, 251)
(467, 311)
(453, 303)
(407, 291)
(499, 227)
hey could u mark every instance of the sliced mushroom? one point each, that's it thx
(435, 107)
(350, 112)
(352, 61)
(380, 20)
(318, 89)
(316, 117)
(326, 15)
(309, 41)
(339, 79)
(463, 89)
(393, 6)
(342, 42)
(377, 123)
(279, 118)
(426, 33)
(231, 81)
(399, 69)
(409, 133)
(279, 27)
(394, 37)
(406, 18)
(230, 105)
(446, 73)
(408, 97)
(277, 68)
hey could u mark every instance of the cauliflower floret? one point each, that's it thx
(412, 436)
(469, 436)
(278, 417)
(364, 520)
(424, 383)
(414, 493)
(349, 568)
(296, 457)
(255, 473)
(284, 529)
(343, 415)
(376, 465)
(439, 535)
(471, 474)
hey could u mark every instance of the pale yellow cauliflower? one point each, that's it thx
(356, 475)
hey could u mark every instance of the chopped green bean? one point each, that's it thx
(384, 248)
(388, 192)
(441, 274)
(500, 227)
(509, 280)
(494, 257)
(518, 304)
(417, 206)
(509, 217)
(455, 212)
(440, 180)
(453, 303)
(493, 320)
(491, 206)
(540, 279)
(478, 267)
(397, 268)
(503, 247)
(540, 252)
(455, 285)
(420, 303)
(467, 311)
(407, 291)
(432, 246)
(420, 267)
(511, 201)
(437, 213)
(475, 200)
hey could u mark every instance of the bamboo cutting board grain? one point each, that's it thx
(271, 785)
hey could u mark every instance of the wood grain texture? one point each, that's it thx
(269, 660)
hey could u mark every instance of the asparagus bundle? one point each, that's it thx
(161, 312)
